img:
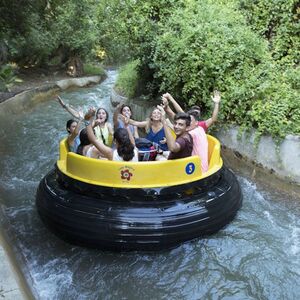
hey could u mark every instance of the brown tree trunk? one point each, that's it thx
(3, 53)
(75, 67)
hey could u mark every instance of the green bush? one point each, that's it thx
(127, 81)
(278, 22)
(209, 46)
(7, 77)
(278, 111)
(90, 69)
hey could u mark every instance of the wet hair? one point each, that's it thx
(195, 114)
(84, 140)
(125, 148)
(105, 112)
(69, 123)
(123, 106)
(183, 116)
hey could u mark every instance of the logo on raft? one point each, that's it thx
(190, 168)
(126, 173)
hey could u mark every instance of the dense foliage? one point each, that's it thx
(249, 50)
(210, 46)
(33, 32)
(7, 77)
(127, 81)
(204, 45)
(278, 22)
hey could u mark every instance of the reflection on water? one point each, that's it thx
(255, 257)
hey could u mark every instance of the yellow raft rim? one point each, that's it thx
(148, 174)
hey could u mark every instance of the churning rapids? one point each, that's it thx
(257, 256)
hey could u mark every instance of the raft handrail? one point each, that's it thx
(141, 174)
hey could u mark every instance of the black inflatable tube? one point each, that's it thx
(137, 219)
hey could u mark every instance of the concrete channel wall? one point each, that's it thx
(27, 99)
(283, 160)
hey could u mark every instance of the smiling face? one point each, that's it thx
(156, 115)
(180, 127)
(181, 122)
(101, 115)
(126, 111)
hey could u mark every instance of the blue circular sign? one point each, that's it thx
(190, 168)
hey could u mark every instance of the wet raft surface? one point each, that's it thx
(137, 219)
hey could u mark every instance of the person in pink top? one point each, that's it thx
(200, 143)
(216, 98)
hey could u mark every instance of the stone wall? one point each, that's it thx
(27, 99)
(282, 160)
(141, 108)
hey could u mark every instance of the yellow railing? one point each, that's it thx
(138, 174)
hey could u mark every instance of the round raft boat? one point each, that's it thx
(126, 206)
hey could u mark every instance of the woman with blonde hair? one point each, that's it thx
(154, 128)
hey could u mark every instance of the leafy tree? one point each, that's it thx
(21, 29)
(208, 46)
(131, 27)
(40, 29)
(278, 22)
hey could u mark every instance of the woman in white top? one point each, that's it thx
(123, 138)
(86, 148)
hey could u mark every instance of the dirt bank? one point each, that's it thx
(33, 77)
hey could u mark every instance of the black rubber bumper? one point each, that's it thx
(137, 219)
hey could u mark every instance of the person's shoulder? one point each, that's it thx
(197, 130)
(203, 125)
(187, 135)
(184, 138)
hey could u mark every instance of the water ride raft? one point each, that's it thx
(124, 206)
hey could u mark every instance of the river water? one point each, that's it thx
(257, 256)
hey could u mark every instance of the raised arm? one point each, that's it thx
(75, 113)
(106, 151)
(216, 98)
(73, 135)
(131, 137)
(172, 145)
(169, 97)
(116, 115)
(167, 108)
(140, 124)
